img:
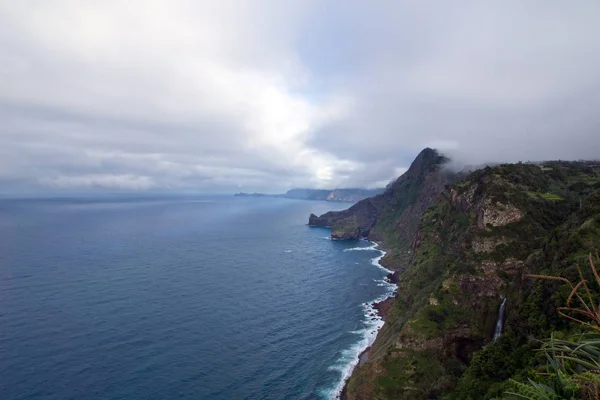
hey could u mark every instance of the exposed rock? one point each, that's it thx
(483, 244)
(418, 342)
(364, 356)
(383, 307)
(498, 214)
(393, 277)
(510, 266)
(480, 286)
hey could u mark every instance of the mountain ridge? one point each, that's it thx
(391, 217)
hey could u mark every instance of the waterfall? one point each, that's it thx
(500, 320)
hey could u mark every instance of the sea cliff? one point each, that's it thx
(461, 244)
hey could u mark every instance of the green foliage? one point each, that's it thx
(438, 299)
(492, 365)
(573, 364)
(532, 391)
(411, 375)
(546, 196)
(434, 320)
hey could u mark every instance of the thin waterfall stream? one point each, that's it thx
(500, 320)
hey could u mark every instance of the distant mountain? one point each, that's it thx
(351, 195)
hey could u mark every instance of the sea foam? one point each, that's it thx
(372, 322)
(363, 248)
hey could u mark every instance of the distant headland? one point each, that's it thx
(351, 195)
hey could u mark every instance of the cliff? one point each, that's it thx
(471, 250)
(392, 217)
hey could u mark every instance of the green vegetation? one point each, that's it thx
(546, 196)
(481, 241)
(573, 365)
(342, 228)
(405, 203)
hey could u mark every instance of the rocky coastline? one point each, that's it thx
(382, 309)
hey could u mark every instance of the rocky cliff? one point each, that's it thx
(392, 217)
(471, 250)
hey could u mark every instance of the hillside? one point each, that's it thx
(392, 217)
(472, 248)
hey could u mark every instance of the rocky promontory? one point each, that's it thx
(392, 217)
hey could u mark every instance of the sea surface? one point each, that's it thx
(180, 298)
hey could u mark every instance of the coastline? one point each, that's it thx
(375, 310)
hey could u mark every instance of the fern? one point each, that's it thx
(532, 391)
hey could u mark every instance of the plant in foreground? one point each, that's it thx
(574, 364)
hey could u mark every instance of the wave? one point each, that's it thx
(364, 248)
(372, 322)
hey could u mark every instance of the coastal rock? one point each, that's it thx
(393, 277)
(314, 220)
(384, 307)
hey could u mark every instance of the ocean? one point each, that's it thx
(180, 298)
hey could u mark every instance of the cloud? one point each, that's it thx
(268, 95)
(485, 83)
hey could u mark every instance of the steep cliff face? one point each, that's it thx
(471, 250)
(393, 216)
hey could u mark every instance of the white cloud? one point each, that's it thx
(269, 95)
(164, 79)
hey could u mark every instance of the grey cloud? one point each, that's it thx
(223, 97)
(485, 83)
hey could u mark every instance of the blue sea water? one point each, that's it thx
(179, 298)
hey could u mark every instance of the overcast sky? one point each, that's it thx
(265, 95)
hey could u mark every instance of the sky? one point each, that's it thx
(266, 95)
